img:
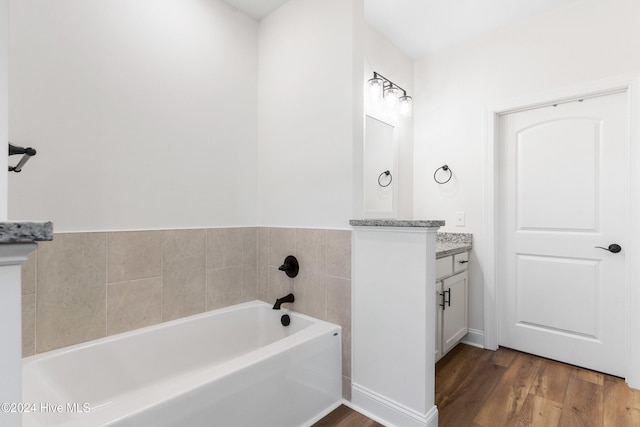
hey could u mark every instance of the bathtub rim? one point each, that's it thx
(139, 331)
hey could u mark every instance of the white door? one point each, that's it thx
(562, 191)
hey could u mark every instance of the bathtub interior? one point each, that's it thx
(106, 368)
(129, 372)
(290, 389)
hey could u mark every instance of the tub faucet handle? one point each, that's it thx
(290, 266)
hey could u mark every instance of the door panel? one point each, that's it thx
(565, 287)
(562, 192)
(545, 180)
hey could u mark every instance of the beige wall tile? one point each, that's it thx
(274, 244)
(134, 255)
(28, 325)
(224, 287)
(339, 253)
(249, 282)
(71, 294)
(263, 257)
(264, 293)
(310, 286)
(339, 312)
(311, 297)
(183, 273)
(224, 247)
(346, 388)
(69, 279)
(133, 305)
(279, 285)
(249, 246)
(28, 274)
(281, 243)
(250, 263)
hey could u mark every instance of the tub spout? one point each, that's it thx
(279, 301)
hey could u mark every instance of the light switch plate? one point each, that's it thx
(459, 219)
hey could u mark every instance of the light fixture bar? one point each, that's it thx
(382, 87)
(377, 75)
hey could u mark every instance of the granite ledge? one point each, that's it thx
(452, 243)
(446, 249)
(25, 231)
(396, 223)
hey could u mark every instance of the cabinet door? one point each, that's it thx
(444, 267)
(454, 316)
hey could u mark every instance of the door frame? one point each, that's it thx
(628, 84)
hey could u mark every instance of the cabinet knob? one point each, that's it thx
(463, 261)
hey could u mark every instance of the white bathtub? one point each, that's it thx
(236, 366)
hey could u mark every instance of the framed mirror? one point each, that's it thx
(379, 168)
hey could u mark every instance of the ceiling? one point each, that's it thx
(421, 27)
(258, 9)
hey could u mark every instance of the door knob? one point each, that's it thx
(613, 248)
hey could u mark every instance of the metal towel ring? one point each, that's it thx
(444, 168)
(387, 173)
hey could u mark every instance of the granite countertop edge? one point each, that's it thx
(25, 231)
(396, 223)
(443, 250)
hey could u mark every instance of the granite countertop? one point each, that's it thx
(446, 243)
(452, 243)
(25, 231)
(395, 223)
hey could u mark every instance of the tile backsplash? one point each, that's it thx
(84, 286)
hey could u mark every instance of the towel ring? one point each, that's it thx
(387, 173)
(446, 169)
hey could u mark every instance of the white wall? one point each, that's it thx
(577, 44)
(143, 113)
(307, 104)
(4, 100)
(383, 57)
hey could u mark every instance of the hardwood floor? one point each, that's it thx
(482, 388)
(346, 417)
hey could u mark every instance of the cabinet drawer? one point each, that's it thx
(460, 261)
(444, 267)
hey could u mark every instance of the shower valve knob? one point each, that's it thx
(290, 266)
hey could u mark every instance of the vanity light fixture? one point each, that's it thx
(405, 105)
(381, 87)
(391, 95)
(376, 87)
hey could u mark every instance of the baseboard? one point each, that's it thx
(388, 412)
(475, 338)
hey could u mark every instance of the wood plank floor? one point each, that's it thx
(482, 388)
(346, 417)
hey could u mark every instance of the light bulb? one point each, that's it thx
(405, 105)
(391, 94)
(375, 88)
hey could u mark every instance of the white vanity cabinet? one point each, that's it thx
(451, 290)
